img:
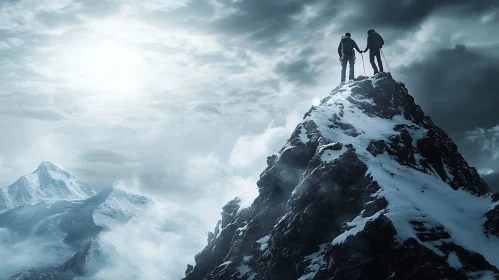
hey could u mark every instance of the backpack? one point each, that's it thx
(376, 41)
(346, 46)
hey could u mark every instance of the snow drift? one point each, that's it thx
(366, 187)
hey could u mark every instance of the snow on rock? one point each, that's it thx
(243, 270)
(263, 242)
(453, 260)
(354, 227)
(366, 187)
(316, 260)
(48, 182)
(242, 229)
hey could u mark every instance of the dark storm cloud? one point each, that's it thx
(260, 20)
(268, 21)
(479, 148)
(103, 156)
(493, 181)
(300, 68)
(457, 87)
(268, 26)
(401, 14)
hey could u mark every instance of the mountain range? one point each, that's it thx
(54, 219)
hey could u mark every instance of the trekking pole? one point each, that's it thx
(363, 64)
(385, 61)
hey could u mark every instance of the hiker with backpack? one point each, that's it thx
(347, 55)
(374, 44)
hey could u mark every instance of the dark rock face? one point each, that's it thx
(439, 150)
(376, 147)
(491, 226)
(425, 233)
(189, 268)
(374, 254)
(317, 216)
(495, 197)
(321, 212)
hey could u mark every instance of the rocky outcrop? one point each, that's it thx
(360, 191)
(491, 225)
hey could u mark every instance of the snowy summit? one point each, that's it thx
(48, 182)
(366, 187)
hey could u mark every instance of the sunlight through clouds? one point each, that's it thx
(110, 69)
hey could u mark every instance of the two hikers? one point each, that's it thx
(347, 54)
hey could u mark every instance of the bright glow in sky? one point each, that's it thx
(111, 68)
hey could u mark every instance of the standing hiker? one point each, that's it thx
(347, 55)
(374, 44)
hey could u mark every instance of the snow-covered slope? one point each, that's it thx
(367, 187)
(47, 183)
(118, 207)
(74, 221)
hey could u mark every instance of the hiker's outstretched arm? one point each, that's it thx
(367, 46)
(356, 47)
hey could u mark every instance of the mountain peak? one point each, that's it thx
(48, 182)
(367, 186)
(49, 165)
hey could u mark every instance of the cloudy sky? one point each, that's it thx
(184, 99)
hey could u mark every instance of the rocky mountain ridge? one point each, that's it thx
(366, 187)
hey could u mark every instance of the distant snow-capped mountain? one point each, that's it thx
(56, 218)
(48, 182)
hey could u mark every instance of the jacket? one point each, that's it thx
(354, 46)
(374, 41)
